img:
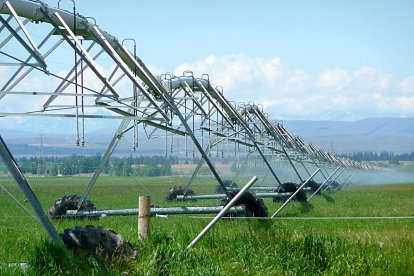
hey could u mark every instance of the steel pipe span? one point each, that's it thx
(257, 190)
(156, 211)
(196, 84)
(220, 196)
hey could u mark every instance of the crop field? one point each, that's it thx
(295, 243)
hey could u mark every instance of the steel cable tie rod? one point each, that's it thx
(19, 203)
(294, 194)
(222, 212)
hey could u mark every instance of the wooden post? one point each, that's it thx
(144, 215)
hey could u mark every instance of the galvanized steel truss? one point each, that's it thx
(102, 79)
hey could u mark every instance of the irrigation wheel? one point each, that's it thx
(290, 187)
(255, 206)
(314, 186)
(69, 202)
(97, 241)
(173, 192)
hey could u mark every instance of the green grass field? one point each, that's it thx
(236, 247)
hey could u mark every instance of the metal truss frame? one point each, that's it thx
(185, 106)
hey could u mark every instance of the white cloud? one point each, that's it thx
(333, 79)
(297, 82)
(371, 78)
(286, 92)
(407, 86)
(234, 71)
(403, 104)
(272, 70)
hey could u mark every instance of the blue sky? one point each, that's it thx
(355, 57)
(319, 60)
(311, 35)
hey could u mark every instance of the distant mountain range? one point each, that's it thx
(380, 134)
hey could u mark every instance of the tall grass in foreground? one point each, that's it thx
(261, 247)
(373, 247)
(238, 248)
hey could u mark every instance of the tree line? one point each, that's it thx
(382, 156)
(116, 166)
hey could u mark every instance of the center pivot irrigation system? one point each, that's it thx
(58, 63)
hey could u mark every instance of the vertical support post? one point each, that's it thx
(340, 186)
(306, 169)
(271, 131)
(336, 177)
(114, 142)
(294, 194)
(27, 190)
(321, 171)
(144, 217)
(349, 180)
(201, 162)
(222, 212)
(264, 177)
(291, 163)
(320, 187)
(135, 95)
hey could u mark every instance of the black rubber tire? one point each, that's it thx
(227, 184)
(255, 206)
(173, 192)
(69, 202)
(290, 187)
(97, 240)
(314, 186)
